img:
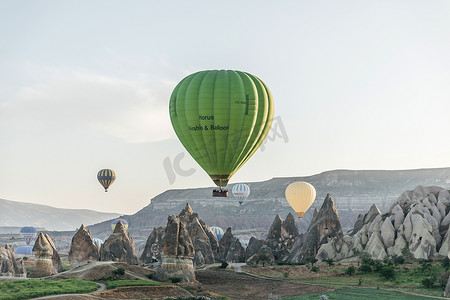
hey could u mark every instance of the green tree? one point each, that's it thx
(366, 259)
(365, 268)
(329, 261)
(350, 270)
(446, 263)
(398, 260)
(264, 259)
(387, 272)
(442, 278)
(311, 260)
(315, 269)
(377, 266)
(119, 271)
(425, 266)
(428, 282)
(175, 279)
(387, 261)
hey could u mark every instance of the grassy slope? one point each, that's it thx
(408, 278)
(32, 288)
(361, 293)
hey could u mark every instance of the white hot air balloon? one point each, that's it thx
(241, 191)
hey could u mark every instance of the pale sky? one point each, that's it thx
(85, 85)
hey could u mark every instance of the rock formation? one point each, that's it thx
(264, 256)
(367, 218)
(253, 247)
(8, 264)
(56, 260)
(230, 248)
(119, 247)
(324, 226)
(360, 233)
(43, 253)
(281, 236)
(21, 270)
(152, 250)
(177, 252)
(82, 248)
(204, 240)
(447, 288)
(203, 252)
(417, 222)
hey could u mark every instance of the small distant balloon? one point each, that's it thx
(24, 250)
(241, 191)
(106, 177)
(28, 233)
(217, 231)
(300, 196)
(124, 222)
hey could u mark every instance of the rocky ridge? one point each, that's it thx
(418, 222)
(354, 191)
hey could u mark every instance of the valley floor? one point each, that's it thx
(243, 282)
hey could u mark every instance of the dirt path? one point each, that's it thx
(243, 286)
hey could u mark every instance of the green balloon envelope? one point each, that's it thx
(221, 118)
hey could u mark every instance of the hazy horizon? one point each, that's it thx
(211, 186)
(85, 86)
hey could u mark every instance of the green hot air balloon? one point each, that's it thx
(221, 118)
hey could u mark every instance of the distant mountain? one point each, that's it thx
(14, 213)
(353, 192)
